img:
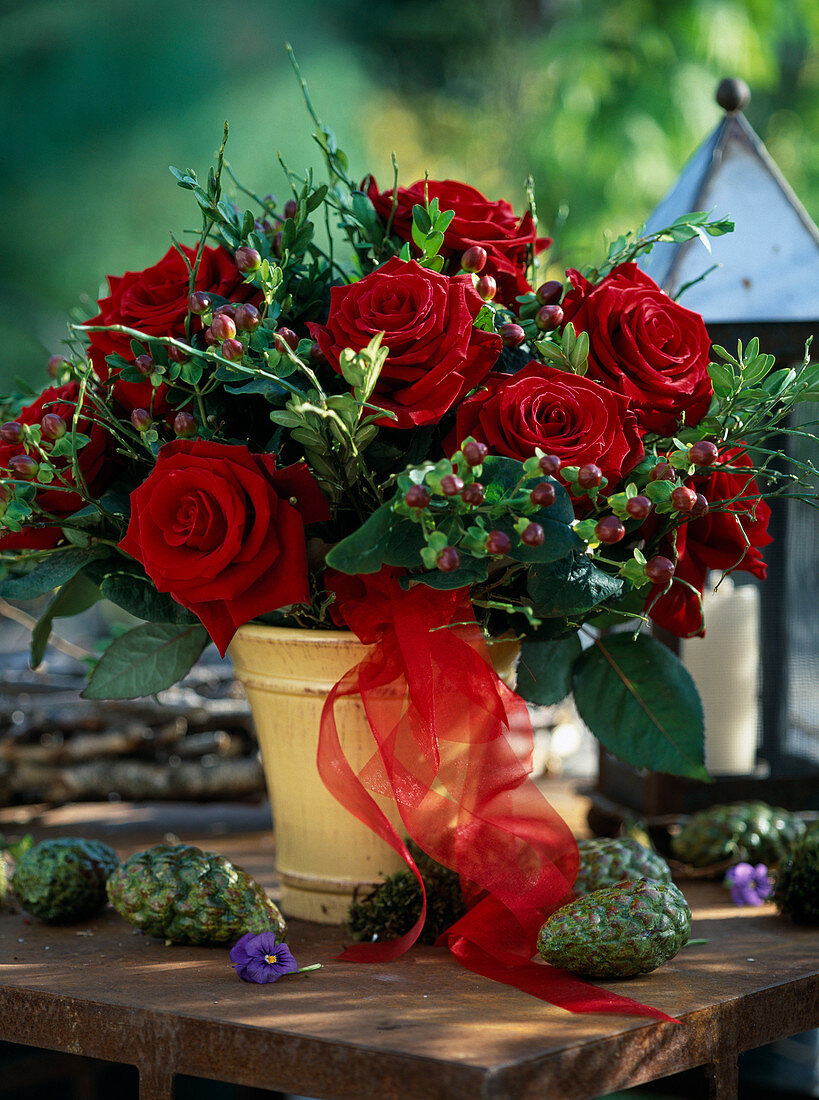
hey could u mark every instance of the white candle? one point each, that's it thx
(725, 668)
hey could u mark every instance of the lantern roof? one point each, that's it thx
(768, 268)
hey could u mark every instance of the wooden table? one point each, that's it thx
(420, 1028)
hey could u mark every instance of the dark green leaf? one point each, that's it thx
(52, 572)
(471, 571)
(384, 539)
(136, 594)
(76, 595)
(641, 703)
(146, 660)
(570, 586)
(545, 669)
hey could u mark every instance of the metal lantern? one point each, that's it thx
(763, 280)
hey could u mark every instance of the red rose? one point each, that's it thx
(436, 354)
(718, 540)
(477, 221)
(643, 345)
(61, 400)
(222, 530)
(565, 415)
(155, 301)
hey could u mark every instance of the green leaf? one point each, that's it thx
(76, 595)
(384, 539)
(722, 377)
(135, 593)
(470, 571)
(146, 660)
(570, 586)
(421, 219)
(545, 669)
(51, 573)
(641, 703)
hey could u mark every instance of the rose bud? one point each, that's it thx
(474, 259)
(416, 497)
(247, 260)
(703, 453)
(474, 452)
(589, 476)
(498, 543)
(247, 317)
(185, 426)
(53, 425)
(549, 294)
(55, 365)
(662, 472)
(659, 569)
(683, 498)
(177, 355)
(549, 317)
(291, 208)
(144, 364)
(141, 419)
(11, 432)
(448, 560)
(199, 303)
(223, 327)
(543, 495)
(24, 467)
(473, 493)
(286, 336)
(233, 350)
(451, 485)
(512, 335)
(550, 465)
(638, 507)
(533, 535)
(486, 287)
(609, 529)
(700, 506)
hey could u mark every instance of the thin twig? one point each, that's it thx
(9, 611)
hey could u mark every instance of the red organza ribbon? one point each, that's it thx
(441, 721)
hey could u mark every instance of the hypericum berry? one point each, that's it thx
(638, 507)
(609, 529)
(512, 335)
(276, 246)
(291, 208)
(662, 472)
(11, 432)
(549, 294)
(185, 426)
(24, 467)
(53, 425)
(417, 496)
(210, 339)
(498, 543)
(141, 419)
(473, 493)
(177, 355)
(700, 506)
(286, 336)
(223, 327)
(317, 355)
(543, 495)
(703, 453)
(144, 364)
(549, 317)
(247, 317)
(550, 465)
(683, 498)
(247, 260)
(533, 535)
(659, 569)
(589, 476)
(55, 365)
(448, 560)
(451, 485)
(233, 350)
(5, 497)
(486, 287)
(228, 308)
(199, 302)
(474, 259)
(474, 452)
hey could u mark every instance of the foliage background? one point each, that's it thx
(602, 100)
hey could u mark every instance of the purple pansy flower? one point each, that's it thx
(749, 885)
(259, 958)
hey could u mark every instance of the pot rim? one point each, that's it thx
(263, 630)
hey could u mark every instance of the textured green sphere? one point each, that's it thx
(750, 831)
(797, 881)
(180, 893)
(627, 929)
(63, 880)
(4, 879)
(606, 860)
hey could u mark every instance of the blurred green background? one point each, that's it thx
(602, 100)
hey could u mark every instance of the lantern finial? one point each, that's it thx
(733, 94)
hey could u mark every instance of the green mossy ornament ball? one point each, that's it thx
(63, 880)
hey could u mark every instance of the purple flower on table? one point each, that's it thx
(259, 958)
(749, 885)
